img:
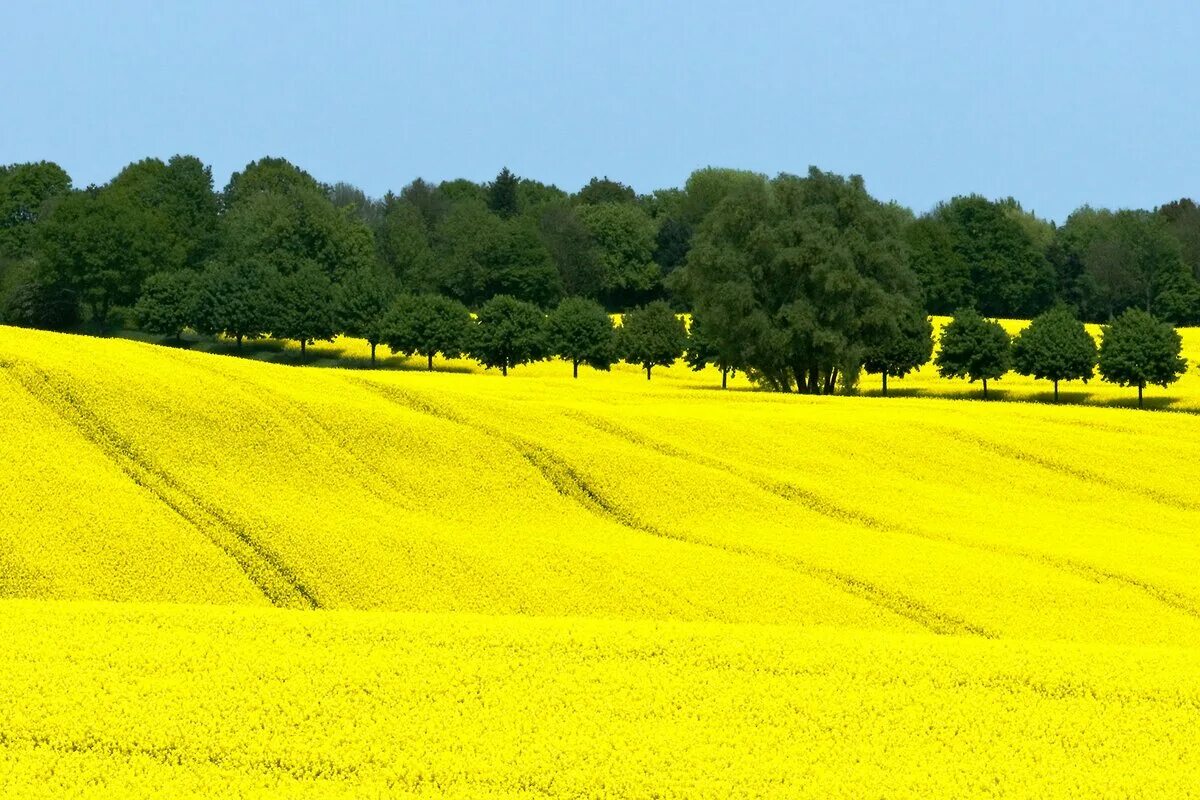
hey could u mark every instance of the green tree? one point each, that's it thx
(465, 244)
(426, 325)
(604, 190)
(582, 332)
(572, 251)
(1055, 347)
(403, 246)
(509, 332)
(788, 277)
(31, 299)
(999, 248)
(235, 299)
(101, 246)
(363, 300)
(502, 194)
(28, 193)
(305, 307)
(518, 264)
(652, 336)
(707, 187)
(1137, 349)
(702, 351)
(623, 235)
(974, 348)
(167, 303)
(904, 343)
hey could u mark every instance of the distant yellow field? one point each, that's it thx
(396, 581)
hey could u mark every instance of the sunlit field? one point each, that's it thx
(224, 576)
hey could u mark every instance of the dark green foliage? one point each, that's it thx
(582, 332)
(974, 348)
(604, 190)
(27, 193)
(509, 332)
(518, 264)
(1129, 259)
(364, 298)
(1137, 350)
(101, 245)
(304, 308)
(426, 325)
(1182, 219)
(904, 342)
(671, 244)
(985, 254)
(167, 303)
(792, 277)
(623, 235)
(1055, 347)
(235, 299)
(402, 244)
(572, 250)
(702, 351)
(502, 195)
(30, 299)
(652, 336)
(706, 188)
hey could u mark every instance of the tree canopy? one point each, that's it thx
(974, 348)
(1138, 350)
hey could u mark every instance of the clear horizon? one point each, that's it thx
(1056, 106)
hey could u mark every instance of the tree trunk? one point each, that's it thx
(373, 346)
(504, 370)
(303, 346)
(725, 378)
(574, 369)
(648, 366)
(1056, 391)
(1140, 387)
(429, 361)
(239, 341)
(985, 388)
(885, 383)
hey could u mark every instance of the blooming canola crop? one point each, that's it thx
(219, 576)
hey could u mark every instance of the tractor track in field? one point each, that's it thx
(261, 565)
(363, 473)
(570, 483)
(1169, 597)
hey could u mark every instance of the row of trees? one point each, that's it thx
(802, 282)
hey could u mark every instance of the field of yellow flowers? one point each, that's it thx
(225, 577)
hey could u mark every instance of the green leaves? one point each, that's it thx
(652, 336)
(1055, 347)
(1137, 350)
(974, 348)
(582, 332)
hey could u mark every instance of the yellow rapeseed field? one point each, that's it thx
(220, 577)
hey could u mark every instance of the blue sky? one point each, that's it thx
(1055, 103)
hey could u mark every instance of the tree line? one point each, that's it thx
(800, 282)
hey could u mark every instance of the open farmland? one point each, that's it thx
(223, 573)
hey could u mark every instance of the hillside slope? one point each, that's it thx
(135, 472)
(220, 577)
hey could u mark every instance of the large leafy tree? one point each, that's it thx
(403, 244)
(582, 332)
(101, 245)
(466, 241)
(167, 303)
(652, 336)
(571, 249)
(1129, 259)
(605, 190)
(789, 275)
(1055, 347)
(1138, 350)
(27, 193)
(624, 237)
(518, 264)
(277, 215)
(904, 342)
(998, 263)
(509, 332)
(426, 325)
(305, 307)
(235, 299)
(974, 348)
(363, 299)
